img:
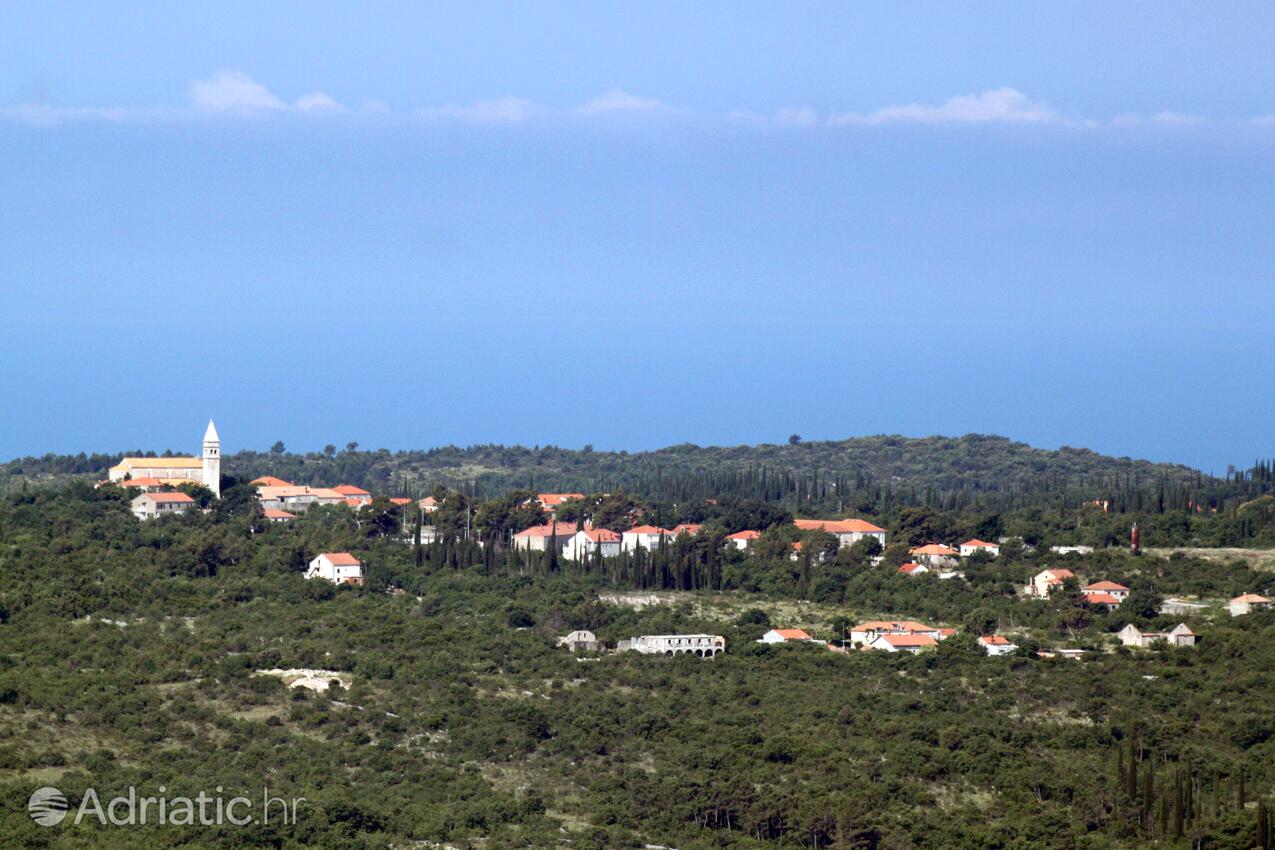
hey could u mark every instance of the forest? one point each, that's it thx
(130, 651)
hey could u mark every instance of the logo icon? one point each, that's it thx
(47, 806)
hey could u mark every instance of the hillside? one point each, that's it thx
(969, 464)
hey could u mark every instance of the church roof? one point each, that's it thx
(210, 436)
(159, 463)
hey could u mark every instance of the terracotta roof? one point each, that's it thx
(275, 513)
(354, 503)
(995, 640)
(341, 559)
(687, 528)
(1105, 585)
(601, 535)
(747, 534)
(1251, 598)
(982, 544)
(428, 502)
(160, 463)
(934, 549)
(552, 500)
(793, 634)
(910, 568)
(1101, 598)
(1058, 575)
(350, 490)
(143, 482)
(399, 500)
(564, 529)
(909, 640)
(838, 526)
(169, 498)
(893, 626)
(648, 529)
(270, 481)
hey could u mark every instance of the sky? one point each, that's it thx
(633, 225)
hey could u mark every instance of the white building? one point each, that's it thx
(914, 569)
(154, 505)
(785, 635)
(1246, 604)
(646, 536)
(901, 643)
(996, 644)
(742, 539)
(1046, 581)
(205, 470)
(1071, 550)
(1180, 635)
(297, 497)
(581, 640)
(542, 538)
(969, 547)
(336, 567)
(847, 531)
(587, 543)
(935, 555)
(704, 646)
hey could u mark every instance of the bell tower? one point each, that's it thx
(212, 459)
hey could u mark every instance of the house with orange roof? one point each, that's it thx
(935, 555)
(269, 481)
(542, 538)
(336, 567)
(1247, 604)
(996, 644)
(155, 505)
(690, 529)
(865, 633)
(648, 537)
(914, 569)
(276, 515)
(400, 501)
(428, 505)
(297, 498)
(550, 502)
(1047, 581)
(589, 542)
(785, 635)
(901, 643)
(353, 494)
(969, 547)
(847, 531)
(742, 539)
(1108, 594)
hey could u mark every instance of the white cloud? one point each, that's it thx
(232, 91)
(801, 116)
(505, 110)
(1265, 120)
(318, 102)
(1176, 118)
(617, 100)
(994, 105)
(41, 115)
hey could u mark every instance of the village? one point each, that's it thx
(155, 480)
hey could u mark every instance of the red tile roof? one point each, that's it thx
(602, 535)
(275, 513)
(170, 498)
(1251, 599)
(994, 640)
(747, 534)
(909, 640)
(910, 568)
(686, 528)
(1100, 598)
(399, 500)
(1104, 585)
(838, 526)
(982, 544)
(341, 559)
(552, 500)
(350, 490)
(270, 481)
(564, 529)
(648, 529)
(934, 549)
(793, 634)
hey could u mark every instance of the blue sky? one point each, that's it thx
(640, 224)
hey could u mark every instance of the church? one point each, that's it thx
(172, 471)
